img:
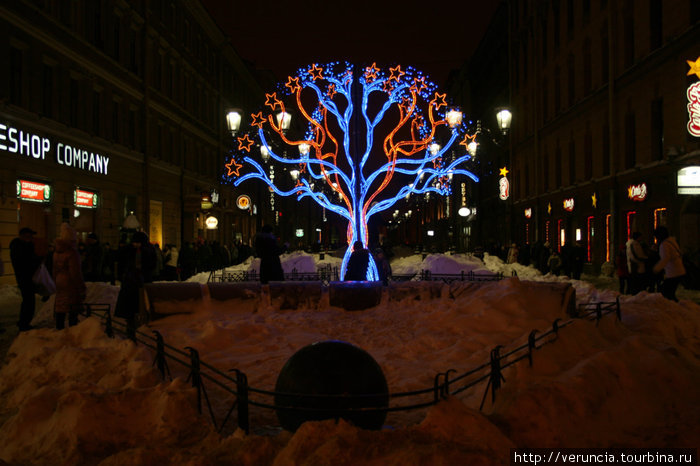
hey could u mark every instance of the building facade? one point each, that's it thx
(112, 110)
(602, 142)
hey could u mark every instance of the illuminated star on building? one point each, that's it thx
(694, 67)
(504, 171)
(594, 199)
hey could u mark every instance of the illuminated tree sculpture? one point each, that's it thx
(363, 132)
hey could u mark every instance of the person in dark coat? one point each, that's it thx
(383, 266)
(577, 256)
(358, 263)
(269, 253)
(93, 260)
(68, 276)
(187, 261)
(25, 262)
(139, 263)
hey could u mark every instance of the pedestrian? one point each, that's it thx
(358, 263)
(383, 266)
(139, 263)
(545, 252)
(25, 262)
(554, 263)
(513, 254)
(170, 259)
(93, 259)
(187, 261)
(578, 257)
(68, 276)
(268, 251)
(670, 262)
(621, 269)
(635, 263)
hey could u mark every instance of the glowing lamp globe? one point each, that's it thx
(464, 212)
(454, 118)
(284, 120)
(233, 121)
(504, 118)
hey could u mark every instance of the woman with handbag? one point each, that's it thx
(68, 275)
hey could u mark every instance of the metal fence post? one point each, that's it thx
(242, 382)
(196, 375)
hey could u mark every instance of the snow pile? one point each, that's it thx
(77, 397)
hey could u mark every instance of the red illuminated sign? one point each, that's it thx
(569, 204)
(33, 191)
(637, 192)
(86, 199)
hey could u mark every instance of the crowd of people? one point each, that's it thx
(136, 261)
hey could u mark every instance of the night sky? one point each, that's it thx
(283, 36)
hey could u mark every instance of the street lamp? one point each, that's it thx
(233, 120)
(503, 117)
(284, 120)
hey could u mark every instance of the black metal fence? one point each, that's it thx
(447, 383)
(329, 274)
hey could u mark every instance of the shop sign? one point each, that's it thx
(211, 223)
(689, 180)
(528, 212)
(693, 94)
(637, 192)
(83, 198)
(206, 203)
(569, 204)
(33, 191)
(503, 185)
(243, 202)
(20, 142)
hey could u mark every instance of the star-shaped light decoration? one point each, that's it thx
(331, 90)
(418, 85)
(594, 200)
(293, 84)
(467, 140)
(316, 72)
(388, 86)
(244, 143)
(694, 67)
(233, 168)
(549, 208)
(503, 171)
(272, 101)
(371, 72)
(439, 101)
(396, 73)
(258, 119)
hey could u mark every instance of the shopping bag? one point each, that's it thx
(43, 283)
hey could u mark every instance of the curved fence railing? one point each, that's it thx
(243, 396)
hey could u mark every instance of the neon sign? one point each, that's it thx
(637, 192)
(243, 202)
(503, 185)
(569, 204)
(83, 198)
(693, 94)
(20, 142)
(528, 212)
(33, 191)
(689, 180)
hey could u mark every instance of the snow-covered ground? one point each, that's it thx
(78, 397)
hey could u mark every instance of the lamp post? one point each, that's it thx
(233, 120)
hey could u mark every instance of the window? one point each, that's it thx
(571, 80)
(555, 11)
(628, 33)
(557, 90)
(657, 129)
(545, 100)
(655, 24)
(74, 96)
(588, 154)
(96, 112)
(630, 141)
(570, 18)
(572, 160)
(115, 121)
(544, 41)
(557, 167)
(604, 53)
(47, 90)
(605, 150)
(545, 172)
(16, 76)
(586, 11)
(587, 72)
